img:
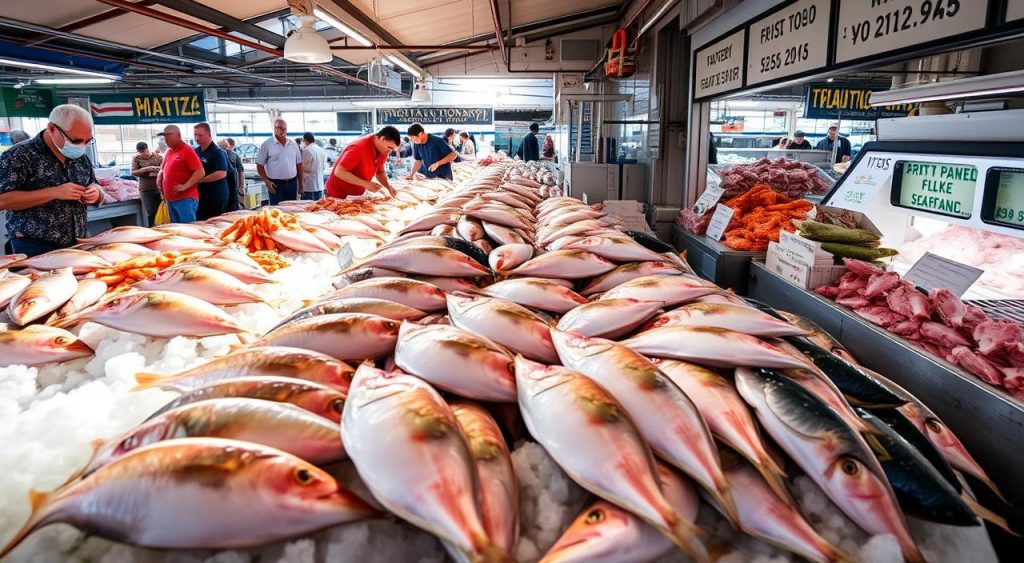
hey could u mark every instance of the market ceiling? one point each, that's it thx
(235, 46)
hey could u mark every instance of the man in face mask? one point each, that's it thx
(46, 182)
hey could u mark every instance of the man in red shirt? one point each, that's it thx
(362, 160)
(178, 176)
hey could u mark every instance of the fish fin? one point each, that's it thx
(688, 537)
(276, 303)
(148, 381)
(775, 477)
(39, 500)
(245, 338)
(986, 514)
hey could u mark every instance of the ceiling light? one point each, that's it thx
(56, 68)
(337, 24)
(307, 46)
(975, 87)
(408, 67)
(380, 104)
(420, 94)
(73, 80)
(831, 80)
(237, 106)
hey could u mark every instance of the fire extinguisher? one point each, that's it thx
(621, 60)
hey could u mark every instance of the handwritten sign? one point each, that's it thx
(148, 107)
(789, 42)
(719, 221)
(435, 116)
(708, 199)
(719, 66)
(933, 272)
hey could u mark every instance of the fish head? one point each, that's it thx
(55, 340)
(856, 479)
(119, 305)
(384, 327)
(169, 275)
(598, 533)
(482, 434)
(150, 432)
(535, 378)
(577, 346)
(371, 384)
(296, 479)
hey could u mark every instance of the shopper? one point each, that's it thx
(405, 150)
(430, 152)
(179, 174)
(842, 151)
(548, 152)
(468, 147)
(213, 187)
(279, 163)
(452, 139)
(236, 174)
(529, 149)
(798, 143)
(18, 136)
(46, 182)
(361, 161)
(313, 163)
(332, 151)
(145, 167)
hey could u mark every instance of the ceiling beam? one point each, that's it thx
(413, 47)
(496, 16)
(216, 17)
(366, 21)
(86, 22)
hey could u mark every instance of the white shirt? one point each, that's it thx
(468, 150)
(279, 160)
(313, 160)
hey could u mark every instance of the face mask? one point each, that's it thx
(70, 150)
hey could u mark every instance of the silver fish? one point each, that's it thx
(345, 336)
(617, 249)
(672, 290)
(731, 317)
(40, 344)
(711, 347)
(413, 293)
(536, 293)
(11, 285)
(161, 314)
(80, 261)
(88, 293)
(627, 272)
(43, 296)
(504, 322)
(564, 264)
(609, 318)
(428, 261)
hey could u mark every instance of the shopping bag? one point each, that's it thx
(163, 216)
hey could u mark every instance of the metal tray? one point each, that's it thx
(714, 261)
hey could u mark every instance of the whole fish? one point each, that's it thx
(428, 221)
(238, 254)
(590, 436)
(416, 294)
(350, 228)
(212, 286)
(509, 256)
(920, 489)
(283, 426)
(672, 290)
(524, 191)
(80, 261)
(407, 446)
(773, 517)
(499, 489)
(267, 361)
(501, 234)
(426, 260)
(450, 285)
(604, 532)
(363, 274)
(537, 293)
(368, 305)
(564, 264)
(916, 438)
(299, 240)
(617, 249)
(609, 318)
(36, 345)
(136, 235)
(731, 317)
(330, 239)
(818, 335)
(469, 229)
(199, 493)
(43, 296)
(345, 336)
(509, 198)
(89, 292)
(11, 285)
(7, 259)
(161, 314)
(175, 243)
(858, 386)
(507, 323)
(714, 347)
(318, 399)
(832, 455)
(184, 230)
(572, 215)
(727, 416)
(651, 242)
(499, 215)
(242, 272)
(456, 360)
(546, 236)
(473, 249)
(627, 272)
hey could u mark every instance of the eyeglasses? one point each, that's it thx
(89, 141)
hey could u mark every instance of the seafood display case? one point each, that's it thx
(714, 261)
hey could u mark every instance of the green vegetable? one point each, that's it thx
(821, 232)
(858, 252)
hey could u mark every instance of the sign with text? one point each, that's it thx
(936, 187)
(435, 116)
(874, 27)
(719, 66)
(1008, 202)
(789, 42)
(847, 101)
(26, 102)
(708, 199)
(148, 107)
(719, 221)
(1014, 10)
(935, 272)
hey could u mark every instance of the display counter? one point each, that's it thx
(714, 261)
(110, 215)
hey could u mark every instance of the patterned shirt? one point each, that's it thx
(31, 165)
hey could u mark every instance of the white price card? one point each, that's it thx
(1014, 10)
(872, 27)
(719, 66)
(933, 272)
(708, 199)
(791, 41)
(719, 221)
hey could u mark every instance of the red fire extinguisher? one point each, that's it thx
(621, 60)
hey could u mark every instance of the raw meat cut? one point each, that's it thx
(861, 268)
(880, 283)
(949, 307)
(942, 335)
(880, 315)
(908, 301)
(993, 336)
(978, 365)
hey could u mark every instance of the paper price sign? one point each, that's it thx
(934, 272)
(719, 221)
(707, 200)
(788, 42)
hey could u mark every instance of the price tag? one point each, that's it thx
(707, 200)
(788, 42)
(345, 256)
(719, 221)
(1014, 10)
(932, 272)
(1009, 200)
(719, 66)
(871, 27)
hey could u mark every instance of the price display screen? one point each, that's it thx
(936, 187)
(1004, 197)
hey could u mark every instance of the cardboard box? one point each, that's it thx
(789, 264)
(811, 250)
(630, 211)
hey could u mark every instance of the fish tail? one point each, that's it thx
(148, 381)
(987, 514)
(491, 552)
(687, 536)
(723, 495)
(774, 476)
(40, 501)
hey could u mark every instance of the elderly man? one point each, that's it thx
(179, 174)
(213, 187)
(46, 182)
(313, 162)
(236, 174)
(430, 151)
(836, 142)
(279, 163)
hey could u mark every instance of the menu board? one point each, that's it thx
(873, 27)
(1004, 197)
(719, 66)
(936, 187)
(788, 42)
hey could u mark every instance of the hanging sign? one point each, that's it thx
(936, 187)
(26, 102)
(187, 106)
(435, 116)
(847, 101)
(719, 66)
(789, 42)
(1014, 10)
(874, 27)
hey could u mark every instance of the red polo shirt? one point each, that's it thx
(360, 157)
(179, 164)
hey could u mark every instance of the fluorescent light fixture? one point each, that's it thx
(974, 87)
(82, 80)
(55, 68)
(237, 106)
(307, 46)
(337, 24)
(380, 104)
(408, 67)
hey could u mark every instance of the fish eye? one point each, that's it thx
(338, 405)
(61, 340)
(595, 516)
(129, 443)
(933, 425)
(390, 324)
(303, 476)
(849, 467)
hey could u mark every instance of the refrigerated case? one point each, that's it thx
(599, 182)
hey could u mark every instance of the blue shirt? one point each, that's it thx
(214, 158)
(843, 150)
(430, 152)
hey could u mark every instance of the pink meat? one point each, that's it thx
(978, 365)
(1014, 354)
(853, 301)
(906, 300)
(949, 306)
(829, 291)
(974, 316)
(934, 349)
(878, 284)
(910, 328)
(852, 283)
(1014, 381)
(861, 268)
(942, 335)
(992, 336)
(881, 316)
